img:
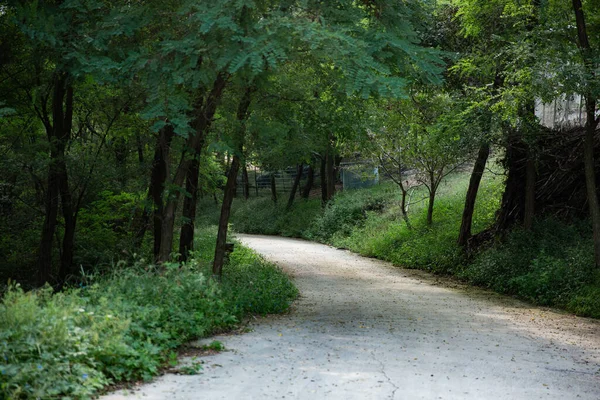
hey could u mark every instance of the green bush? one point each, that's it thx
(125, 326)
(551, 265)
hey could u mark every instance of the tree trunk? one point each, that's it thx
(309, 182)
(512, 204)
(203, 115)
(430, 207)
(221, 246)
(224, 217)
(158, 177)
(330, 176)
(432, 190)
(323, 173)
(590, 178)
(49, 227)
(273, 188)
(297, 179)
(186, 237)
(245, 182)
(66, 259)
(590, 128)
(467, 218)
(403, 208)
(530, 177)
(59, 134)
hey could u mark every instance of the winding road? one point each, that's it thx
(363, 329)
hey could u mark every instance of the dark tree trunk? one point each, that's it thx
(330, 171)
(590, 177)
(186, 237)
(467, 218)
(203, 115)
(323, 173)
(59, 134)
(310, 178)
(49, 227)
(245, 182)
(158, 177)
(591, 124)
(221, 246)
(297, 179)
(273, 188)
(66, 260)
(512, 203)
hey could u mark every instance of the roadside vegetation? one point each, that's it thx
(127, 323)
(550, 265)
(122, 124)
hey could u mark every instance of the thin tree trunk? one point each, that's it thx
(273, 188)
(403, 208)
(224, 217)
(323, 173)
(432, 190)
(186, 237)
(430, 207)
(66, 259)
(590, 129)
(221, 246)
(330, 176)
(309, 182)
(467, 218)
(297, 179)
(245, 182)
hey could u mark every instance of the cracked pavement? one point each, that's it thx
(363, 329)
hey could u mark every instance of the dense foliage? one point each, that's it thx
(125, 325)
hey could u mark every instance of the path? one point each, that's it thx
(365, 330)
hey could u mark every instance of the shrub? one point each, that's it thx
(125, 325)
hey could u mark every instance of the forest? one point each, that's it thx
(135, 135)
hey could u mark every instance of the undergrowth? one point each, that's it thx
(552, 265)
(127, 324)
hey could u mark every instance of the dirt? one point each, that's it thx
(363, 329)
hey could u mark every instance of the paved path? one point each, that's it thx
(365, 330)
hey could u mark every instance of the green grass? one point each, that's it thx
(551, 265)
(126, 325)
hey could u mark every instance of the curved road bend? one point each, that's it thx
(363, 329)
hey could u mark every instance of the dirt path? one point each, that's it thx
(365, 330)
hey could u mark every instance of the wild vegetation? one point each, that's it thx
(126, 323)
(123, 124)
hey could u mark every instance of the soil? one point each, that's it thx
(363, 329)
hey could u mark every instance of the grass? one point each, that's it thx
(127, 325)
(552, 265)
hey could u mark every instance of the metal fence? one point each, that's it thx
(259, 181)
